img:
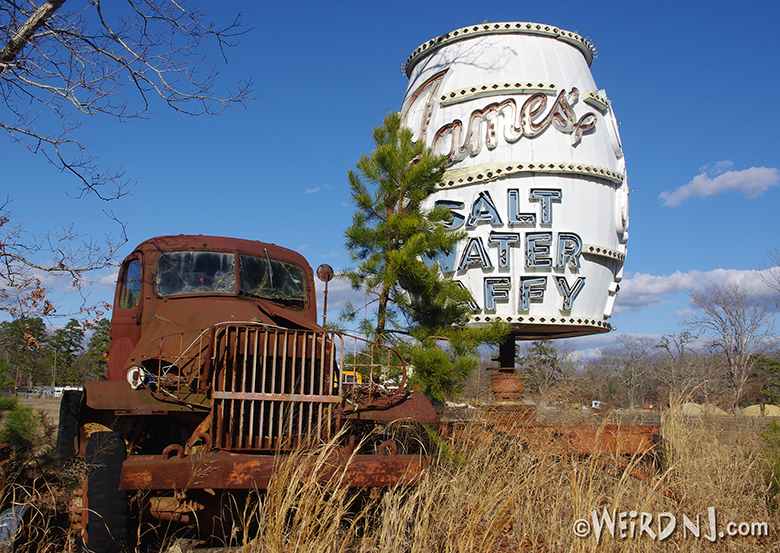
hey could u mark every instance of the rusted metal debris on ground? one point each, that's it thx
(509, 417)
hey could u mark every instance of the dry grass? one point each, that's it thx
(499, 497)
(503, 498)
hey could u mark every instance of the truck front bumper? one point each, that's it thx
(222, 470)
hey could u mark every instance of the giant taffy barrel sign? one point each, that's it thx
(536, 175)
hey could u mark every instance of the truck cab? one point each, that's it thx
(218, 367)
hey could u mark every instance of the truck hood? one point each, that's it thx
(179, 322)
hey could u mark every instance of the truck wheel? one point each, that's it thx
(106, 510)
(69, 425)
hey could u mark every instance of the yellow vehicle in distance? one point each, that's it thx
(351, 377)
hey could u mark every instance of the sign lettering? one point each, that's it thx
(540, 250)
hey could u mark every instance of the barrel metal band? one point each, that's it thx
(526, 320)
(591, 249)
(492, 171)
(494, 89)
(583, 44)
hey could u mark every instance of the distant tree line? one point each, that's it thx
(637, 371)
(32, 354)
(726, 353)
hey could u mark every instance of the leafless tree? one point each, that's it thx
(631, 360)
(64, 253)
(682, 370)
(771, 275)
(61, 61)
(597, 382)
(736, 325)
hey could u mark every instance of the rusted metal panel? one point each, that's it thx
(235, 471)
(507, 384)
(248, 396)
(612, 439)
(107, 395)
(516, 420)
(590, 439)
(412, 406)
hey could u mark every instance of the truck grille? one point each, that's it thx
(274, 388)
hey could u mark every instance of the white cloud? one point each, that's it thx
(339, 292)
(687, 311)
(720, 167)
(643, 291)
(317, 189)
(591, 347)
(106, 281)
(710, 182)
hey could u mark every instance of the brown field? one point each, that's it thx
(508, 499)
(49, 406)
(501, 497)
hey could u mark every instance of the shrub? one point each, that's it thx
(8, 403)
(771, 450)
(29, 433)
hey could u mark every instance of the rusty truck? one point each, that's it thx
(217, 372)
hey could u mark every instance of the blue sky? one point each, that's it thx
(694, 85)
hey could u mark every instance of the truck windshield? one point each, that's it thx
(268, 278)
(196, 273)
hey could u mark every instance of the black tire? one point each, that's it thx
(68, 427)
(108, 514)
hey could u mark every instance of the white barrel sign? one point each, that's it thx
(536, 174)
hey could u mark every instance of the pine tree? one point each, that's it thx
(97, 348)
(766, 377)
(22, 343)
(63, 347)
(413, 306)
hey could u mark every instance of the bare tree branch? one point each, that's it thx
(771, 275)
(736, 325)
(631, 360)
(25, 258)
(26, 31)
(60, 61)
(80, 62)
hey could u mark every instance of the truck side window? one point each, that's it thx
(130, 291)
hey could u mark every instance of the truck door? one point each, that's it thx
(126, 321)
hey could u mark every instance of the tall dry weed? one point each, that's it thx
(499, 495)
(487, 493)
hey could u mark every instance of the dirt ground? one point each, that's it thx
(49, 406)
